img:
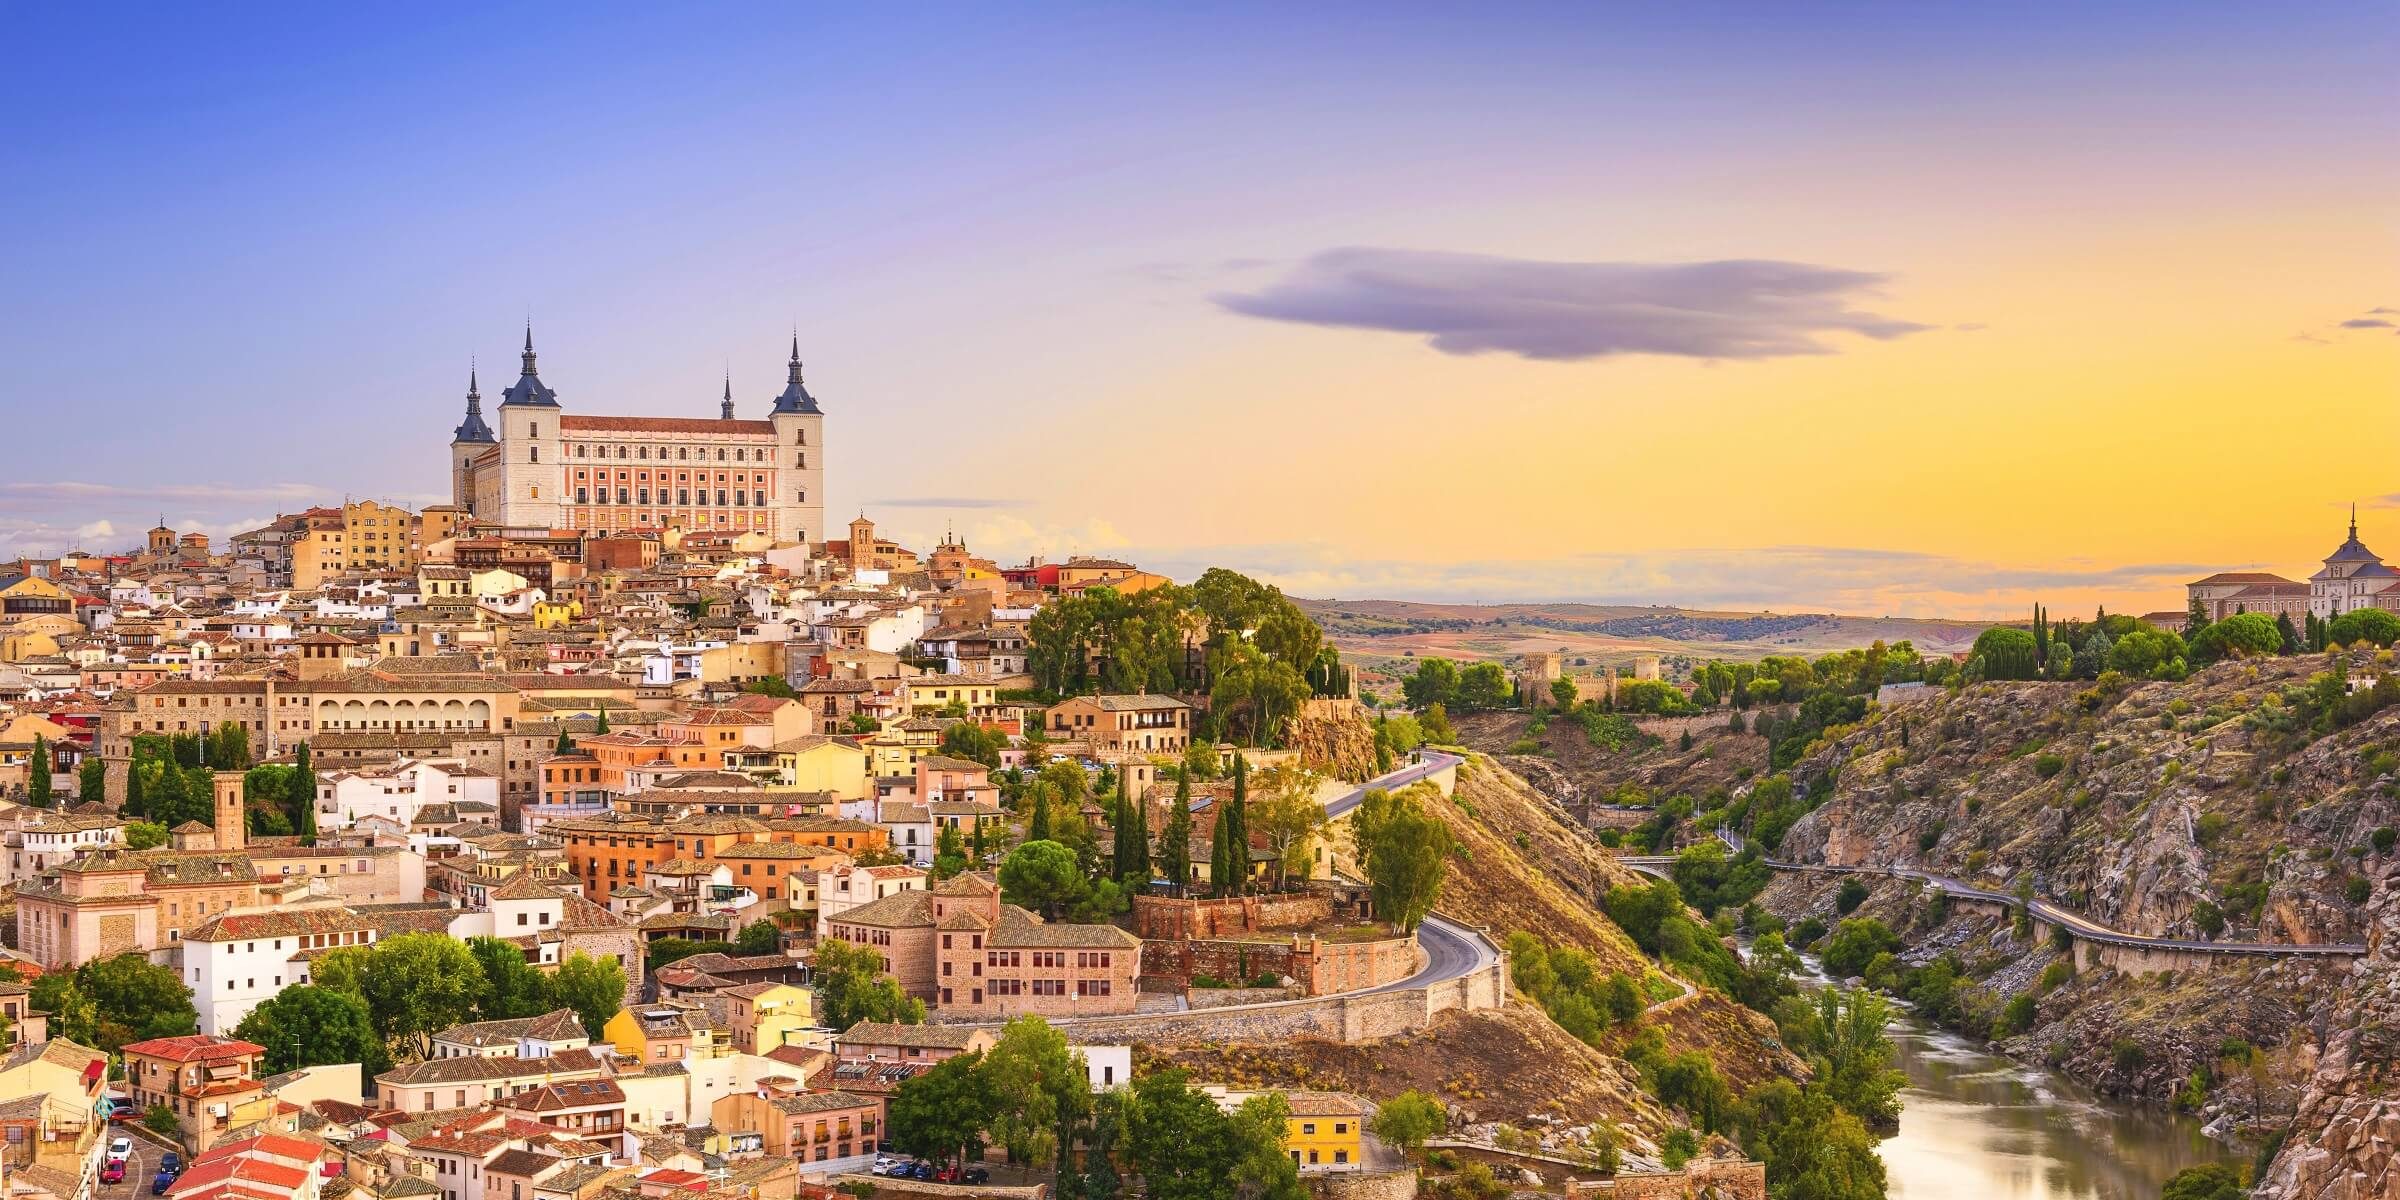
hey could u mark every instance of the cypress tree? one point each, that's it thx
(2041, 637)
(602, 727)
(1120, 829)
(1141, 843)
(1238, 857)
(1038, 828)
(566, 741)
(37, 774)
(1175, 848)
(137, 804)
(1220, 872)
(300, 798)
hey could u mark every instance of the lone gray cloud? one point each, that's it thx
(1566, 311)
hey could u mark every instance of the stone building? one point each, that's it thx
(545, 468)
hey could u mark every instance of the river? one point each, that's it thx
(1975, 1126)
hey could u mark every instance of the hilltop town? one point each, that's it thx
(591, 842)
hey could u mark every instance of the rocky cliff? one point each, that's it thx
(2211, 808)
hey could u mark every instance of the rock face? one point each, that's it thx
(2198, 809)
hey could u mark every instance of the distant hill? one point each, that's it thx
(1611, 634)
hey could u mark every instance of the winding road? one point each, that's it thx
(2081, 926)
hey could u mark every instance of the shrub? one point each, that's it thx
(2209, 828)
(2357, 889)
(1524, 746)
(2056, 975)
(2048, 765)
(1851, 894)
(2018, 1016)
(2208, 918)
(2128, 1055)
(2384, 837)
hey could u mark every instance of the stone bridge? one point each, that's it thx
(2095, 944)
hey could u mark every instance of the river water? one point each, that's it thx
(1975, 1126)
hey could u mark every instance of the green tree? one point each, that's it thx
(1855, 1067)
(511, 987)
(414, 984)
(1855, 943)
(37, 774)
(1435, 722)
(593, 987)
(1261, 1170)
(1564, 694)
(1484, 685)
(1289, 817)
(949, 852)
(1040, 1088)
(2212, 1181)
(2146, 653)
(2007, 653)
(133, 1000)
(1037, 826)
(1407, 1119)
(1181, 1143)
(943, 1113)
(300, 795)
(1043, 875)
(144, 835)
(763, 936)
(1814, 1149)
(1237, 811)
(2243, 635)
(161, 1120)
(1436, 682)
(73, 1015)
(91, 781)
(309, 1026)
(1407, 854)
(1175, 846)
(2372, 625)
(600, 722)
(566, 741)
(973, 742)
(851, 987)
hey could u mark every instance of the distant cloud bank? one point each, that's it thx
(1567, 311)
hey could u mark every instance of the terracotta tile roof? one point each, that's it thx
(584, 423)
(195, 1047)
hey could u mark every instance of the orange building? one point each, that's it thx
(612, 851)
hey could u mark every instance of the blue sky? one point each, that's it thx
(1053, 250)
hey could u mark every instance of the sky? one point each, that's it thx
(1884, 309)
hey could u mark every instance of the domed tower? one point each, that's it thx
(472, 437)
(799, 458)
(529, 442)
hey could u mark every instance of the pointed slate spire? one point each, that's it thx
(795, 397)
(473, 429)
(529, 388)
(726, 410)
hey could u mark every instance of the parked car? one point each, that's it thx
(885, 1164)
(114, 1172)
(171, 1162)
(976, 1175)
(120, 1149)
(165, 1180)
(922, 1171)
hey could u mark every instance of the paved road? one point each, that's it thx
(2083, 927)
(1433, 763)
(1451, 949)
(140, 1167)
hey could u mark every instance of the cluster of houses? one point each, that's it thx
(581, 743)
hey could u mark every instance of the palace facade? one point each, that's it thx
(2353, 577)
(546, 468)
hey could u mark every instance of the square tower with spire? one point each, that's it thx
(546, 468)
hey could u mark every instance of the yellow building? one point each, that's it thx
(769, 1015)
(378, 537)
(812, 763)
(1326, 1129)
(320, 550)
(742, 663)
(666, 1031)
(928, 695)
(556, 614)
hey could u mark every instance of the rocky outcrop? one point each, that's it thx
(2196, 809)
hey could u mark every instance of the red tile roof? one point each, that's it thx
(195, 1047)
